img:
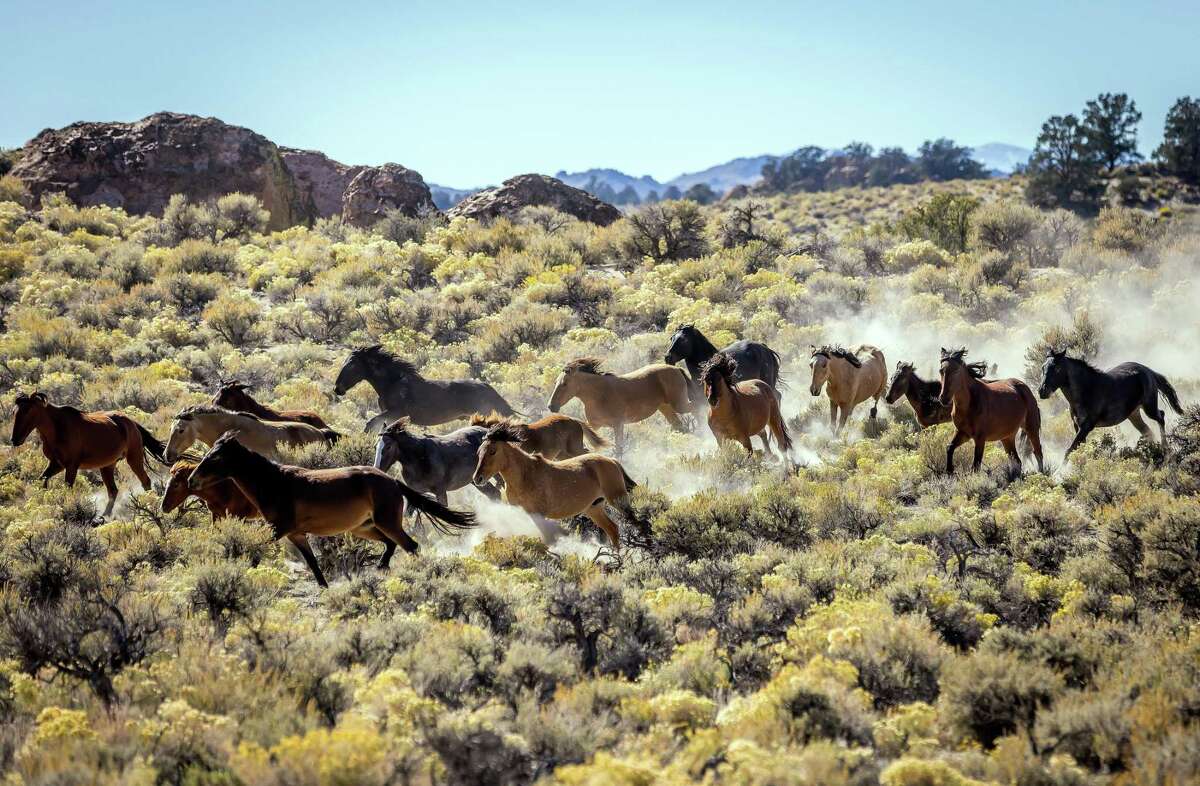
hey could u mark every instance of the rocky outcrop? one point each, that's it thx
(376, 190)
(321, 180)
(138, 166)
(525, 190)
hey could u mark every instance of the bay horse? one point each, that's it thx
(74, 440)
(850, 377)
(432, 464)
(548, 489)
(554, 436)
(235, 395)
(207, 422)
(922, 395)
(298, 502)
(1099, 399)
(403, 392)
(754, 360)
(612, 401)
(222, 498)
(987, 410)
(740, 410)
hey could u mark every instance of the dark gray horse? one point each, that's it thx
(1107, 398)
(754, 360)
(405, 393)
(432, 464)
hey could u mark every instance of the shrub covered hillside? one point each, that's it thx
(862, 619)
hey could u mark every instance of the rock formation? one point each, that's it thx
(525, 190)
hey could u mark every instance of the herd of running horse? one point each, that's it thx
(547, 467)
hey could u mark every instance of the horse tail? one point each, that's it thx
(592, 436)
(442, 518)
(630, 483)
(776, 367)
(331, 436)
(151, 444)
(1168, 391)
(779, 426)
(1033, 414)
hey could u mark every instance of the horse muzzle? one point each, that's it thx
(338, 390)
(553, 407)
(1044, 392)
(670, 359)
(816, 391)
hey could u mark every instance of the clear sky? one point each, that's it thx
(469, 93)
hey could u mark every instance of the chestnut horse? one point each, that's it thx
(555, 489)
(612, 401)
(234, 395)
(554, 436)
(987, 410)
(850, 377)
(74, 440)
(922, 395)
(297, 502)
(740, 410)
(223, 498)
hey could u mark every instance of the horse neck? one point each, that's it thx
(590, 386)
(840, 371)
(1078, 372)
(969, 388)
(518, 466)
(50, 422)
(729, 400)
(919, 389)
(702, 350)
(254, 408)
(221, 422)
(255, 477)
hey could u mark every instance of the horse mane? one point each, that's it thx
(505, 432)
(184, 465)
(493, 420)
(977, 369)
(377, 353)
(722, 365)
(698, 337)
(398, 426)
(587, 365)
(838, 351)
(233, 384)
(187, 413)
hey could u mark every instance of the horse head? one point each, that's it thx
(26, 409)
(220, 462)
(819, 363)
(720, 369)
(954, 371)
(1054, 372)
(492, 451)
(899, 384)
(683, 344)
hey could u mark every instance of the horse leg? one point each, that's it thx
(672, 418)
(980, 446)
(109, 476)
(1035, 440)
(618, 438)
(70, 473)
(1085, 427)
(376, 424)
(136, 459)
(844, 415)
(959, 438)
(1158, 416)
(388, 518)
(300, 541)
(744, 441)
(766, 444)
(389, 546)
(601, 519)
(833, 413)
(1010, 447)
(52, 469)
(549, 530)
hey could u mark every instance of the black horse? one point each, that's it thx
(433, 464)
(754, 360)
(1106, 398)
(922, 395)
(405, 393)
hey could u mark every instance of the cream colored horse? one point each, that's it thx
(611, 400)
(207, 422)
(850, 377)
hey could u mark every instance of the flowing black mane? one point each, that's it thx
(721, 365)
(588, 365)
(504, 432)
(977, 369)
(187, 413)
(701, 346)
(838, 351)
(379, 357)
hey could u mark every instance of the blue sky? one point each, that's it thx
(471, 93)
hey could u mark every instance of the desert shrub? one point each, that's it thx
(235, 318)
(241, 215)
(1124, 229)
(668, 231)
(914, 254)
(399, 227)
(986, 696)
(1080, 340)
(12, 189)
(202, 256)
(1006, 227)
(184, 220)
(609, 627)
(945, 220)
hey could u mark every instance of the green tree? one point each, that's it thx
(945, 220)
(1110, 122)
(803, 170)
(892, 165)
(1179, 152)
(941, 160)
(701, 193)
(1064, 170)
(627, 196)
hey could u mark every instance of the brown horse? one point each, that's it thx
(74, 440)
(235, 395)
(987, 410)
(555, 489)
(297, 502)
(922, 395)
(223, 498)
(553, 437)
(850, 377)
(740, 410)
(612, 401)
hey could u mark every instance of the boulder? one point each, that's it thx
(321, 180)
(138, 166)
(377, 189)
(524, 190)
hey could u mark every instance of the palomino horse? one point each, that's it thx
(206, 422)
(222, 498)
(555, 489)
(234, 395)
(1107, 398)
(922, 395)
(432, 464)
(74, 440)
(405, 393)
(987, 410)
(612, 401)
(297, 502)
(740, 410)
(554, 436)
(754, 360)
(850, 377)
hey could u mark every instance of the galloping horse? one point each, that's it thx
(987, 411)
(740, 410)
(850, 377)
(922, 395)
(297, 502)
(222, 498)
(753, 360)
(206, 422)
(74, 440)
(555, 489)
(432, 464)
(405, 393)
(233, 395)
(1107, 398)
(554, 436)
(611, 400)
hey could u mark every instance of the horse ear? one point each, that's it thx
(39, 396)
